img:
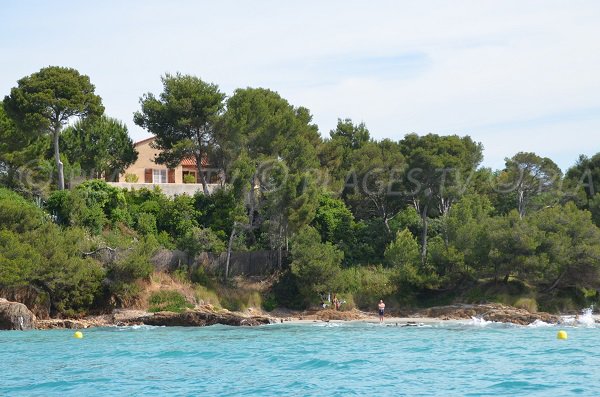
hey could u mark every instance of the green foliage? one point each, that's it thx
(333, 220)
(368, 284)
(18, 214)
(315, 265)
(146, 224)
(240, 300)
(403, 251)
(131, 178)
(375, 186)
(406, 218)
(92, 205)
(18, 260)
(101, 146)
(189, 178)
(72, 282)
(168, 301)
(177, 217)
(531, 178)
(372, 238)
(198, 240)
(269, 303)
(20, 151)
(132, 266)
(182, 119)
(219, 210)
(135, 264)
(528, 304)
(45, 101)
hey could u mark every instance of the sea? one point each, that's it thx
(469, 358)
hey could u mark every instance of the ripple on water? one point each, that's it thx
(348, 359)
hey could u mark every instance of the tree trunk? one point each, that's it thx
(386, 222)
(201, 174)
(521, 203)
(555, 283)
(279, 246)
(229, 247)
(59, 164)
(444, 208)
(252, 202)
(424, 237)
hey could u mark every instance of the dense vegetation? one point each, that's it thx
(417, 220)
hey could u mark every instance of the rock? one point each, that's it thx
(82, 323)
(61, 324)
(489, 312)
(37, 301)
(196, 318)
(15, 316)
(329, 314)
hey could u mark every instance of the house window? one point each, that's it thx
(159, 176)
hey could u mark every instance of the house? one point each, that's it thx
(184, 178)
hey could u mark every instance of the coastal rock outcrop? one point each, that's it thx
(196, 318)
(36, 300)
(489, 312)
(87, 322)
(15, 316)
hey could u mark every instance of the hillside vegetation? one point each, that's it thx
(417, 221)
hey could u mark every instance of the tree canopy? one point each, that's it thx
(414, 219)
(45, 101)
(182, 118)
(101, 146)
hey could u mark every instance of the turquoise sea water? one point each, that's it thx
(321, 359)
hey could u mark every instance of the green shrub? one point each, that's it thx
(189, 178)
(131, 178)
(59, 205)
(315, 265)
(145, 224)
(368, 284)
(349, 303)
(403, 251)
(199, 275)
(269, 302)
(528, 304)
(18, 214)
(170, 301)
(240, 300)
(207, 296)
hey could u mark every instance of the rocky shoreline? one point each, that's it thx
(489, 312)
(199, 317)
(16, 316)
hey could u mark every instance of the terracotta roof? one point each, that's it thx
(190, 161)
(144, 141)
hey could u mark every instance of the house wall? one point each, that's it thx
(146, 156)
(169, 189)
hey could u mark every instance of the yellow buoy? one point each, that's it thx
(561, 335)
(78, 335)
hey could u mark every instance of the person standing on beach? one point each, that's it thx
(381, 307)
(336, 302)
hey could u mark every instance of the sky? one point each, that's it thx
(514, 75)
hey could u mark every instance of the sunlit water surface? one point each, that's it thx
(322, 359)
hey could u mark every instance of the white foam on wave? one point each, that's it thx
(479, 322)
(327, 324)
(138, 327)
(539, 324)
(585, 319)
